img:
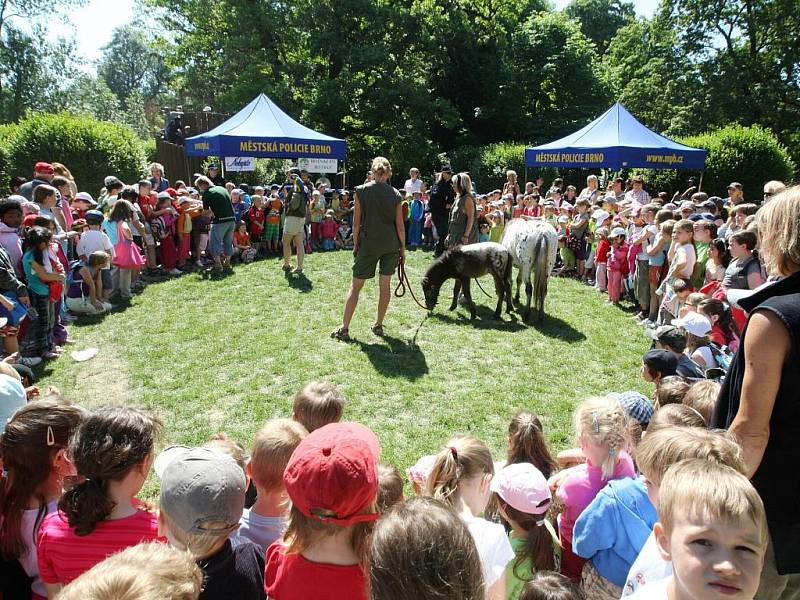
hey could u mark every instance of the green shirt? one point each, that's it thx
(218, 200)
(378, 233)
(298, 201)
(516, 578)
(699, 273)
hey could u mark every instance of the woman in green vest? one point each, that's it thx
(379, 239)
(464, 215)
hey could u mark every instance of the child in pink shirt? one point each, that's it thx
(617, 263)
(601, 425)
(112, 451)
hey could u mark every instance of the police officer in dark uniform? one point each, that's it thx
(440, 203)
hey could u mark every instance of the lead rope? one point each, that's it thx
(403, 282)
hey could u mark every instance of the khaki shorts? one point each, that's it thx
(293, 226)
(364, 266)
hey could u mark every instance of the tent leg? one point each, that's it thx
(526, 179)
(222, 166)
(344, 174)
(700, 183)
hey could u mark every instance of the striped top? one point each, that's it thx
(63, 555)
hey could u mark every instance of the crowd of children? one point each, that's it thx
(310, 511)
(650, 504)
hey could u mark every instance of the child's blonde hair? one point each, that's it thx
(667, 446)
(220, 442)
(702, 396)
(713, 491)
(142, 572)
(461, 459)
(272, 447)
(671, 390)
(603, 421)
(318, 403)
(673, 415)
(199, 545)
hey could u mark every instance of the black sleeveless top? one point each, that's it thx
(775, 479)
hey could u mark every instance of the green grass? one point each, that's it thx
(227, 355)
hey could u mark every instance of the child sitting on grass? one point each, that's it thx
(712, 529)
(265, 521)
(201, 502)
(329, 228)
(318, 403)
(332, 481)
(242, 250)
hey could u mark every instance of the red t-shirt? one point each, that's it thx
(63, 555)
(256, 217)
(294, 577)
(329, 229)
(603, 247)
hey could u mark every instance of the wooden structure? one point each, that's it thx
(173, 156)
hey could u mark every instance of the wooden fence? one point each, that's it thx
(176, 164)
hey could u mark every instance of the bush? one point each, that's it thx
(750, 155)
(91, 149)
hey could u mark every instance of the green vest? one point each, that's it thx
(378, 233)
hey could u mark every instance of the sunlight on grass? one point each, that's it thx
(227, 355)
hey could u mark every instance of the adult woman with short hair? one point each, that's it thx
(379, 239)
(760, 397)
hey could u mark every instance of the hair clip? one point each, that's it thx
(613, 451)
(595, 422)
(51, 438)
(454, 452)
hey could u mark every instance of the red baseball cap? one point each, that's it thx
(332, 475)
(172, 192)
(43, 167)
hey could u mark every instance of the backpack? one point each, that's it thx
(298, 197)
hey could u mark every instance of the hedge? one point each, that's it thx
(750, 155)
(91, 149)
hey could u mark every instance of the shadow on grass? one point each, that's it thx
(392, 357)
(299, 282)
(485, 320)
(553, 327)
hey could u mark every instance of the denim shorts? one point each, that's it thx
(105, 275)
(222, 238)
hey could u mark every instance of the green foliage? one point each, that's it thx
(267, 171)
(91, 149)
(749, 155)
(601, 19)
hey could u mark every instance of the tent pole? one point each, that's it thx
(222, 166)
(700, 184)
(526, 179)
(344, 174)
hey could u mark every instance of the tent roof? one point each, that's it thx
(262, 129)
(616, 140)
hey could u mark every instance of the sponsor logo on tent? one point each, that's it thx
(318, 165)
(240, 163)
(575, 157)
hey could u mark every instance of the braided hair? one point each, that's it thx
(603, 422)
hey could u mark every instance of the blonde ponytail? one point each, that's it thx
(461, 459)
(604, 422)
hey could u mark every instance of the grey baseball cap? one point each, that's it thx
(201, 486)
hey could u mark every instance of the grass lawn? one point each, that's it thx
(226, 355)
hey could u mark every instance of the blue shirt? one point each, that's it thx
(35, 285)
(613, 528)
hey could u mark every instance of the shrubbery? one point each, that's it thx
(749, 155)
(91, 149)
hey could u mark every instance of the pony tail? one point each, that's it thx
(85, 505)
(527, 444)
(442, 483)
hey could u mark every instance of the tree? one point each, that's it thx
(601, 19)
(649, 72)
(749, 57)
(553, 82)
(131, 64)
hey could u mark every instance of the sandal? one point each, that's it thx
(51, 355)
(287, 268)
(342, 334)
(377, 330)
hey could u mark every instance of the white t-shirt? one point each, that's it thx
(412, 186)
(260, 530)
(92, 241)
(648, 568)
(493, 546)
(28, 559)
(707, 355)
(652, 591)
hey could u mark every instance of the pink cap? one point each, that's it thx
(421, 469)
(523, 487)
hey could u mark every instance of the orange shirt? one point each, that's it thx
(273, 210)
(241, 239)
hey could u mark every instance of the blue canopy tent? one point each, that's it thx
(616, 140)
(263, 130)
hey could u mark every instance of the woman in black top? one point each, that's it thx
(760, 399)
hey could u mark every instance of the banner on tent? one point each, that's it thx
(318, 165)
(240, 163)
